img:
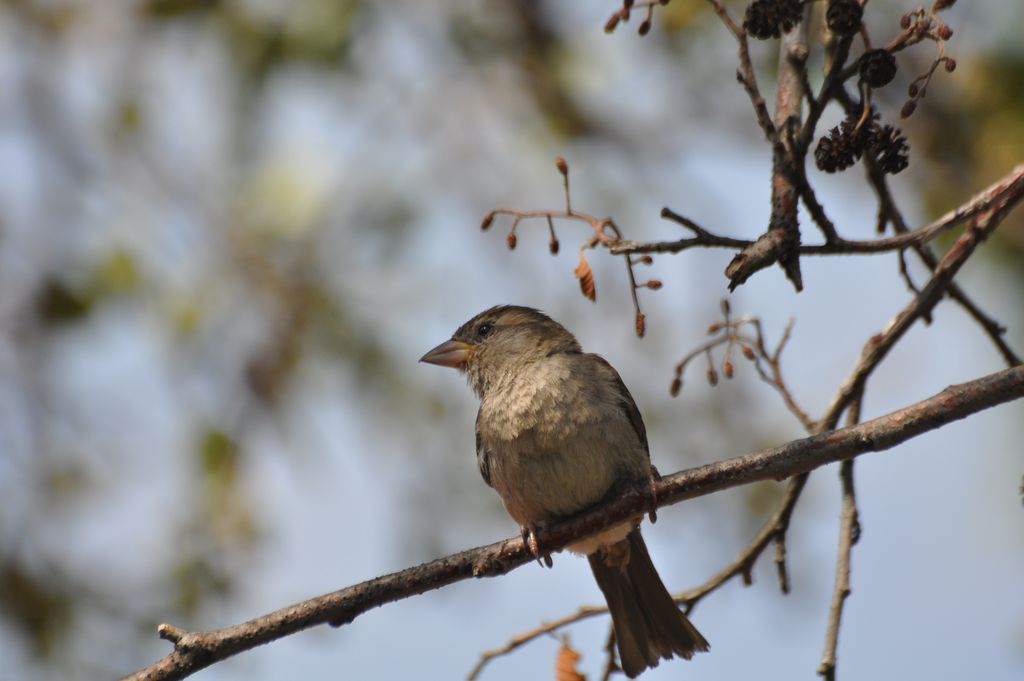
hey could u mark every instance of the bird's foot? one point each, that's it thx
(530, 531)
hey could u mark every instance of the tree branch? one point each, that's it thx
(1007, 191)
(888, 209)
(197, 650)
(849, 533)
(745, 73)
(1010, 190)
(522, 639)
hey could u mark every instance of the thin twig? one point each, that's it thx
(776, 380)
(745, 73)
(774, 530)
(605, 233)
(814, 207)
(522, 639)
(849, 534)
(993, 329)
(611, 665)
(730, 333)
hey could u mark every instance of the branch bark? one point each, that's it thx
(781, 241)
(194, 651)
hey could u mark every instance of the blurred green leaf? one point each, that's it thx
(128, 119)
(197, 579)
(320, 31)
(59, 303)
(218, 456)
(971, 129)
(36, 605)
(186, 316)
(680, 16)
(117, 273)
(760, 499)
(172, 9)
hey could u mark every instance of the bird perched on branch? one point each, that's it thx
(558, 432)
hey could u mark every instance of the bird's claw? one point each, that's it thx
(530, 538)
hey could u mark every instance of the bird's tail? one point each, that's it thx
(648, 624)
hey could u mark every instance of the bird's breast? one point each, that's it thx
(551, 453)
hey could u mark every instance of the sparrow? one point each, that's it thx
(558, 432)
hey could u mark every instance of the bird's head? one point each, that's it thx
(499, 341)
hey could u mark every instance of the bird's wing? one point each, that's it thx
(483, 457)
(625, 401)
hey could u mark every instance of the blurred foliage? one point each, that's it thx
(60, 301)
(41, 606)
(972, 131)
(218, 459)
(679, 17)
(315, 32)
(527, 37)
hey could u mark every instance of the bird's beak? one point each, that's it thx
(451, 353)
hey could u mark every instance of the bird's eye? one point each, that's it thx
(484, 329)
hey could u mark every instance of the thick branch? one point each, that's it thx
(197, 650)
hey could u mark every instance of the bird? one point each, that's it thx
(556, 433)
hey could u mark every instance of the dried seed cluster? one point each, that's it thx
(848, 142)
(877, 68)
(888, 146)
(766, 19)
(843, 17)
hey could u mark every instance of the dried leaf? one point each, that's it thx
(612, 22)
(565, 665)
(586, 277)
